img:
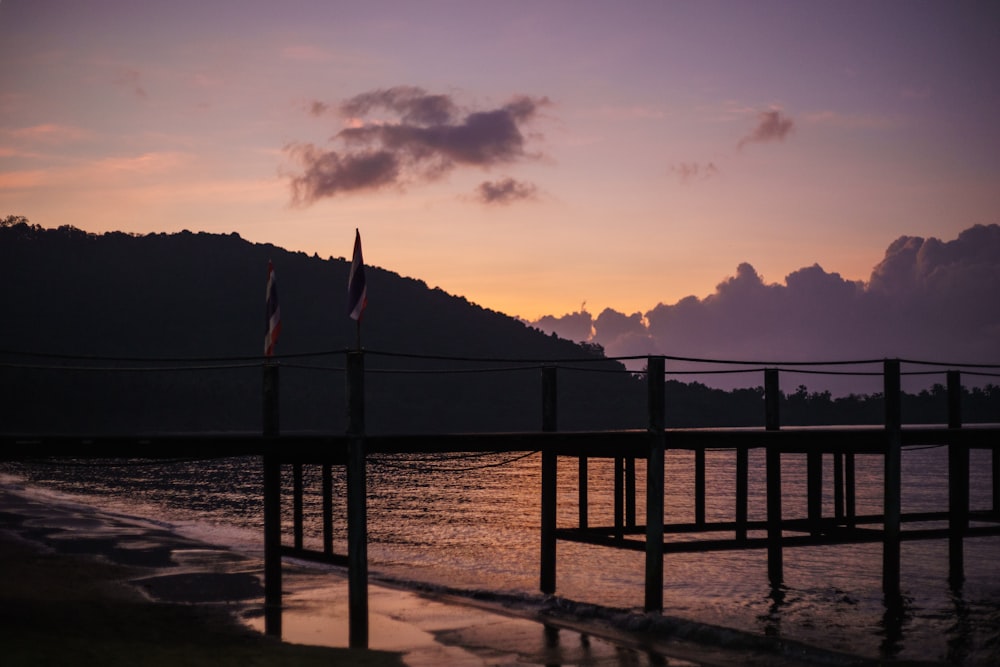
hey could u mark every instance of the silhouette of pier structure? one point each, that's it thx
(657, 539)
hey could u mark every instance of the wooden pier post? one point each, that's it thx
(582, 493)
(297, 491)
(892, 507)
(699, 486)
(550, 476)
(272, 503)
(772, 403)
(838, 487)
(619, 490)
(958, 485)
(742, 491)
(814, 490)
(326, 498)
(357, 504)
(850, 491)
(630, 492)
(655, 483)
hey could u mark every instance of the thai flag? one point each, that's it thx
(273, 313)
(357, 290)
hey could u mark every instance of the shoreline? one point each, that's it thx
(128, 556)
(70, 599)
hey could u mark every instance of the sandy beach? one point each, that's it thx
(92, 587)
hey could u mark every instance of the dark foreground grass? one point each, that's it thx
(72, 610)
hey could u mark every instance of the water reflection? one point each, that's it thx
(897, 614)
(771, 621)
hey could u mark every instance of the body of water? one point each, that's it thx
(471, 524)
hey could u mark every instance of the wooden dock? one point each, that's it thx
(653, 536)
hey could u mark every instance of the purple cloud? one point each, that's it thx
(689, 172)
(426, 137)
(772, 125)
(927, 299)
(505, 191)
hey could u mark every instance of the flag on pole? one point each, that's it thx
(272, 313)
(357, 290)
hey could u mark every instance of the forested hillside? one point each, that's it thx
(120, 333)
(198, 300)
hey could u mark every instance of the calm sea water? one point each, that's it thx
(472, 523)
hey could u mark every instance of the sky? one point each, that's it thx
(539, 158)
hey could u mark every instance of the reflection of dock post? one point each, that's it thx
(958, 484)
(892, 504)
(357, 503)
(549, 482)
(772, 403)
(272, 503)
(655, 484)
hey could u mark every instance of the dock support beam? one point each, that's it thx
(357, 504)
(655, 484)
(272, 504)
(892, 507)
(772, 403)
(549, 483)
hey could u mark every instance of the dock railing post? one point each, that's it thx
(357, 503)
(272, 502)
(549, 483)
(892, 508)
(772, 404)
(958, 485)
(655, 483)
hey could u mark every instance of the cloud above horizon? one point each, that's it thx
(405, 135)
(689, 172)
(505, 191)
(927, 299)
(772, 125)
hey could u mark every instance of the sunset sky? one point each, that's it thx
(530, 156)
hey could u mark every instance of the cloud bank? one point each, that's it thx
(405, 135)
(927, 299)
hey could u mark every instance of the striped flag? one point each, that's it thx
(273, 312)
(357, 290)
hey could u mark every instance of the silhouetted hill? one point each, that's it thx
(197, 295)
(198, 300)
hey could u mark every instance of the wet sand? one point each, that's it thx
(119, 562)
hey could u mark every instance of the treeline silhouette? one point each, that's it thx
(108, 305)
